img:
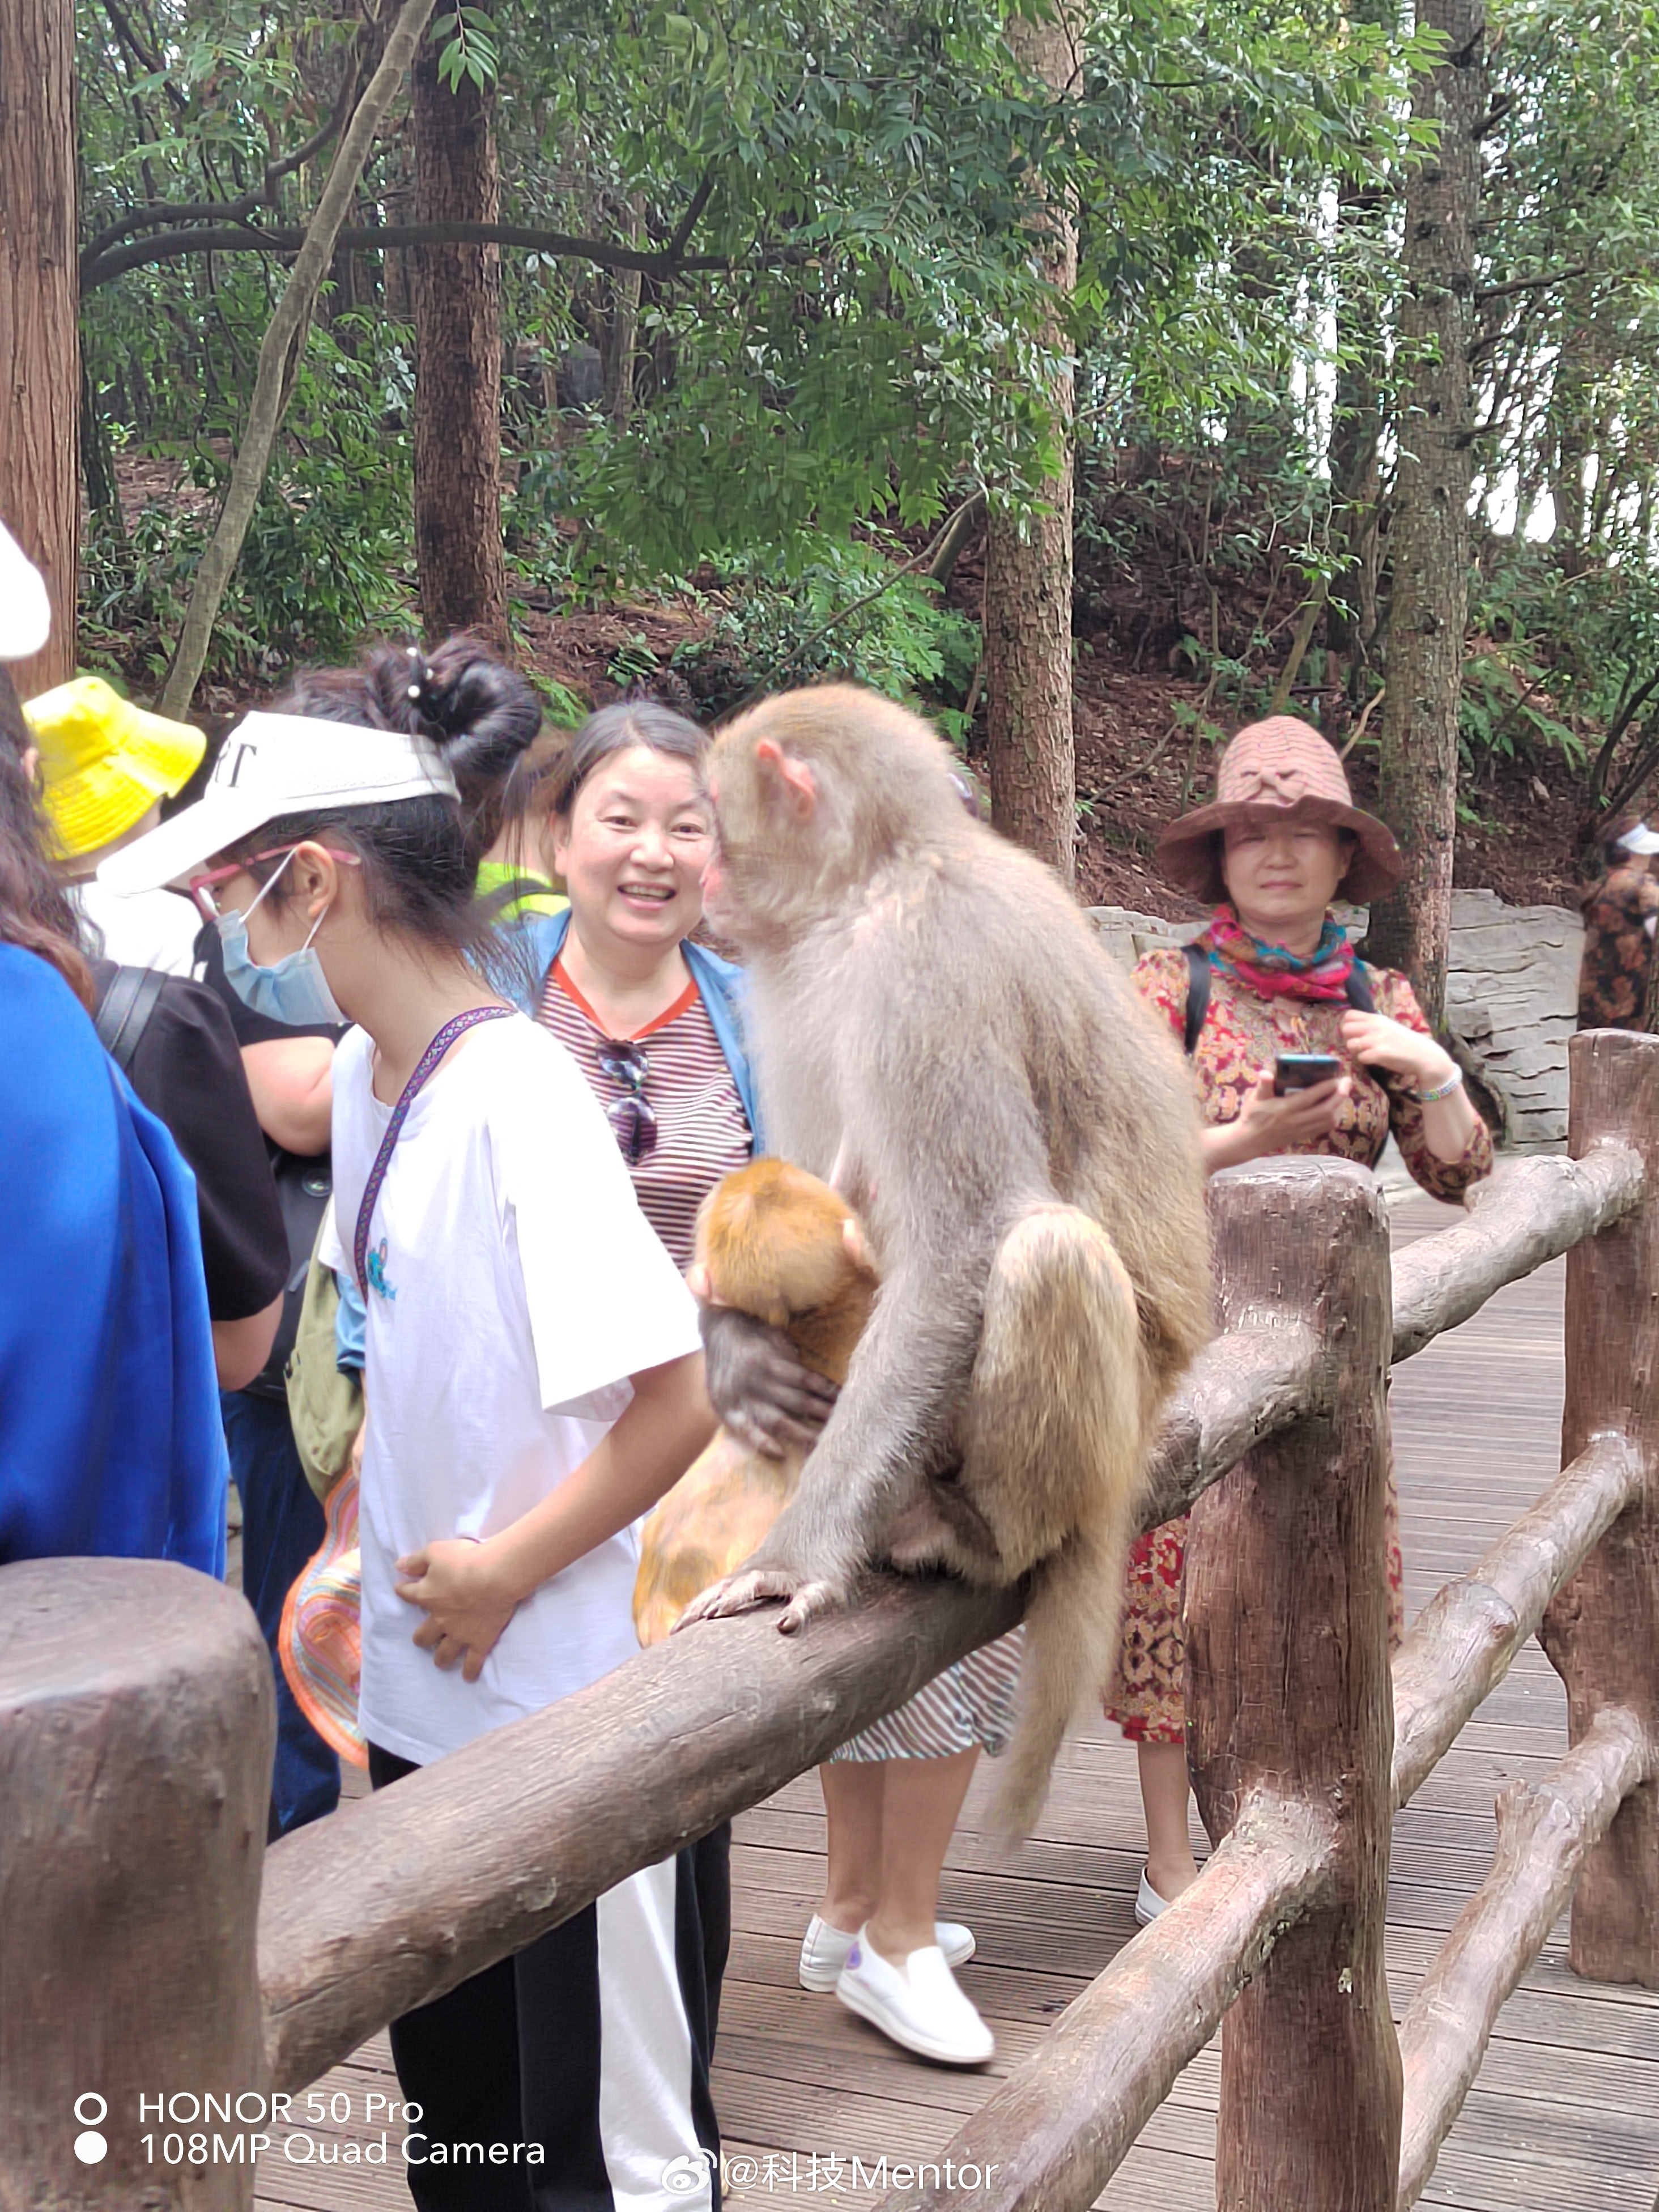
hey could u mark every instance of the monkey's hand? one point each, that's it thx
(756, 1585)
(758, 1386)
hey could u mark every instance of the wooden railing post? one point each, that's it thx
(135, 1733)
(1601, 1632)
(1288, 1690)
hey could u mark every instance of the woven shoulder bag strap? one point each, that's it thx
(429, 1060)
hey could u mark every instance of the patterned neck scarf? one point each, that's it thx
(1274, 971)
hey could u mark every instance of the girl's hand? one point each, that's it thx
(1377, 1042)
(460, 1587)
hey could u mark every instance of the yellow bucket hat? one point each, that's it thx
(104, 763)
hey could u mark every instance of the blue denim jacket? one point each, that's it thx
(536, 942)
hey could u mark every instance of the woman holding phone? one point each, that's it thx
(1271, 982)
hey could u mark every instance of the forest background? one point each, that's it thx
(1096, 375)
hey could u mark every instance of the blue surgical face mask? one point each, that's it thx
(294, 991)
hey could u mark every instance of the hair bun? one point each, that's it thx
(481, 713)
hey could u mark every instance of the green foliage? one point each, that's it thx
(326, 555)
(564, 709)
(471, 46)
(861, 329)
(849, 612)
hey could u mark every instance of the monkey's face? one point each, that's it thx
(765, 806)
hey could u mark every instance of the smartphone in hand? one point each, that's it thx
(1301, 1071)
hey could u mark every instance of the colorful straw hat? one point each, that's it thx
(1281, 766)
(104, 763)
(320, 1641)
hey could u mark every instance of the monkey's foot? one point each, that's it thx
(756, 1586)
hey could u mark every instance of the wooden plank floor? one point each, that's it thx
(1565, 2115)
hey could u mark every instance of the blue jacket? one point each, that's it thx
(536, 943)
(542, 936)
(111, 1442)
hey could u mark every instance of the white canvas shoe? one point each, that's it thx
(824, 1952)
(1148, 1903)
(918, 2004)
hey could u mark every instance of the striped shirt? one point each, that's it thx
(702, 1132)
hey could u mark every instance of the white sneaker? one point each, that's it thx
(918, 2004)
(824, 1953)
(1148, 1903)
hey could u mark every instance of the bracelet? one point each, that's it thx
(1453, 1082)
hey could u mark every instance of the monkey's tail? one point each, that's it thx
(1059, 1411)
(1071, 1652)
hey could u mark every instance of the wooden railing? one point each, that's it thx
(135, 1746)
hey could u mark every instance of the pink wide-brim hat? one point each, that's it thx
(1281, 766)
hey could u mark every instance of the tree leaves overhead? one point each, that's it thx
(841, 322)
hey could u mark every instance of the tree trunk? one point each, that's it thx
(40, 332)
(622, 332)
(1570, 414)
(1028, 580)
(1429, 540)
(1356, 476)
(458, 361)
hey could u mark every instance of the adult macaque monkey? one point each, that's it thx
(938, 1033)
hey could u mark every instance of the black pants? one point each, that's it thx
(514, 2055)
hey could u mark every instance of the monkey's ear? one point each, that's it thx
(796, 786)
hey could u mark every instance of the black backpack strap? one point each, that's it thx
(1359, 989)
(124, 1011)
(1198, 994)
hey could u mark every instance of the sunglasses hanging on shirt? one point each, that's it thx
(632, 1116)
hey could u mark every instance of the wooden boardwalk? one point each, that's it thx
(1565, 2115)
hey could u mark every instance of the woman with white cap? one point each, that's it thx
(1273, 980)
(533, 1381)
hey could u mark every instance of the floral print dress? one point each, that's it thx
(1243, 1032)
(1619, 925)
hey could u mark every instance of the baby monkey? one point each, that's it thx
(773, 1241)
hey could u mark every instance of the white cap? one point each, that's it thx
(275, 764)
(1640, 840)
(25, 609)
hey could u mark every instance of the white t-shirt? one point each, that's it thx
(523, 1286)
(156, 929)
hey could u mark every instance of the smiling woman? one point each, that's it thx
(649, 1015)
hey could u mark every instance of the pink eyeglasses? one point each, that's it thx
(202, 887)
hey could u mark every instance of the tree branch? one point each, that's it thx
(243, 237)
(160, 213)
(1532, 283)
(689, 221)
(150, 61)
